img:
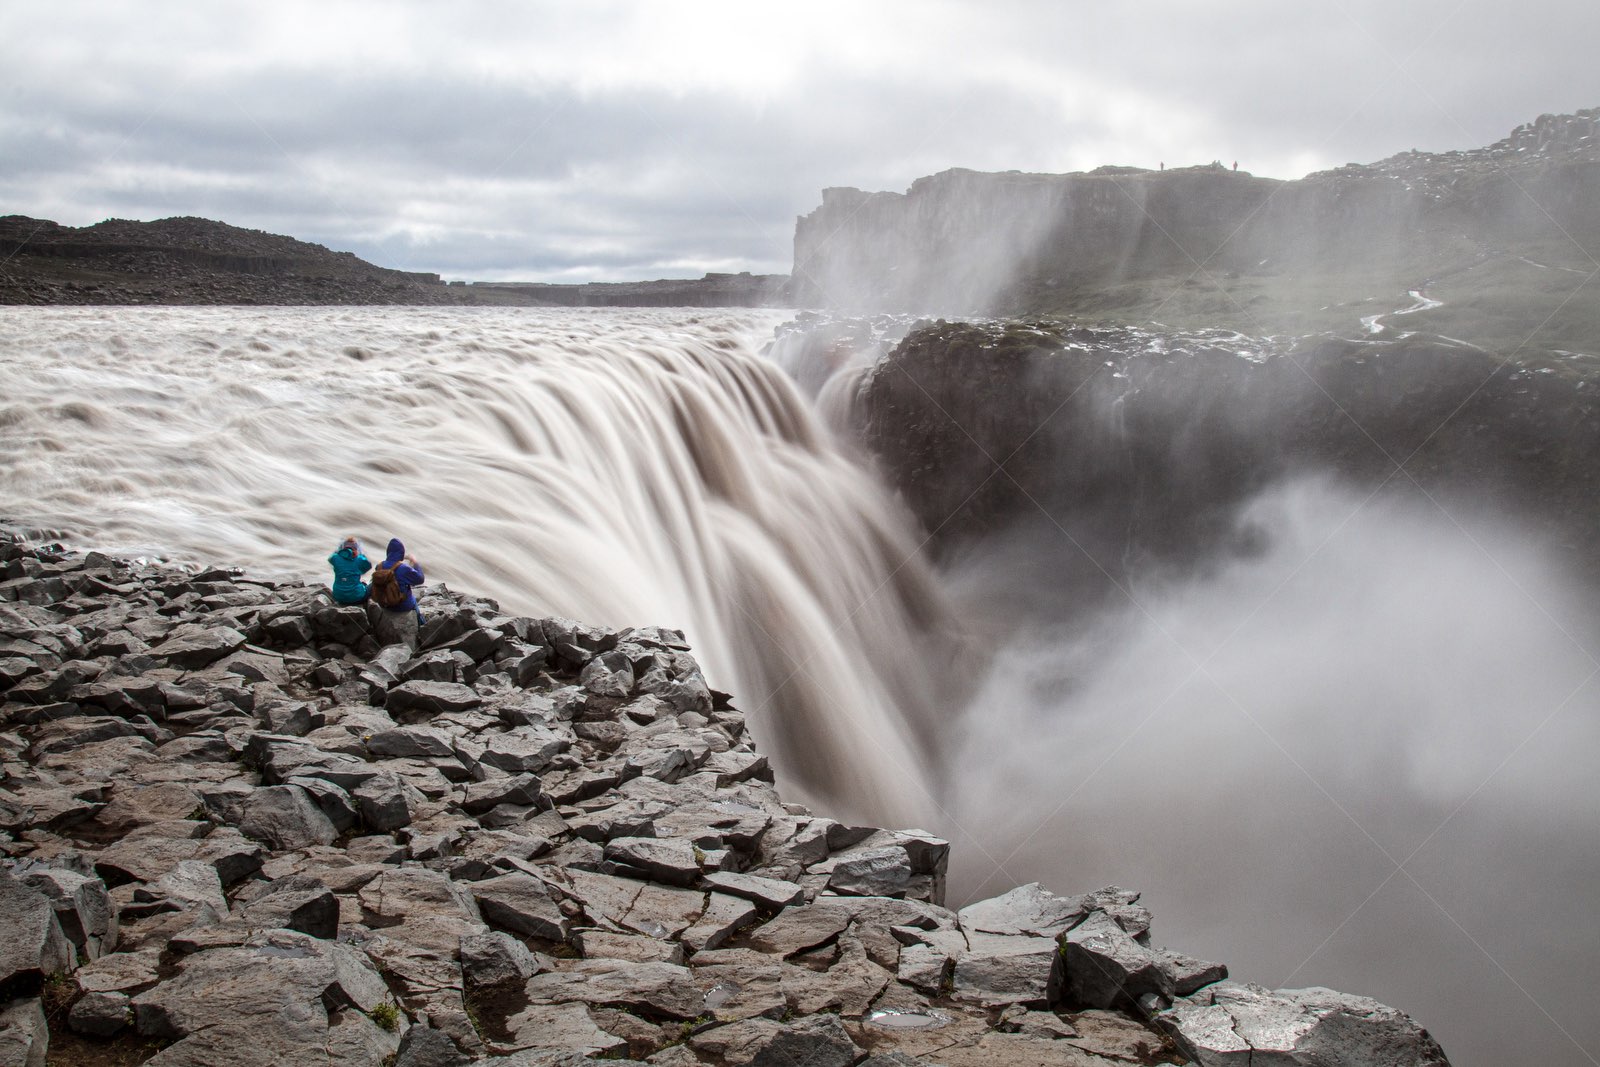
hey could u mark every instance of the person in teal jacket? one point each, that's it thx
(348, 567)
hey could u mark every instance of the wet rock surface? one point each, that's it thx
(1204, 421)
(278, 838)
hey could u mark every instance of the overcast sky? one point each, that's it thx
(591, 140)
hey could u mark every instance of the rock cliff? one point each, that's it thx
(1146, 443)
(1501, 236)
(234, 830)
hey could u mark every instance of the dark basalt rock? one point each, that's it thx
(376, 892)
(1144, 456)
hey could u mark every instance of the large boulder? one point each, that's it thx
(1232, 1023)
(1027, 909)
(32, 944)
(195, 645)
(1103, 966)
(82, 905)
(267, 1001)
(519, 903)
(285, 817)
(417, 701)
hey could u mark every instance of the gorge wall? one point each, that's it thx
(1510, 228)
(1146, 445)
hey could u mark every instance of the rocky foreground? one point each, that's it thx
(237, 831)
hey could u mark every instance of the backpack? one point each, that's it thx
(387, 592)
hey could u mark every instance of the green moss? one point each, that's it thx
(387, 1016)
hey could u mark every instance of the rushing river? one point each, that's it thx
(1363, 758)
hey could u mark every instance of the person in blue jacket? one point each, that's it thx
(348, 567)
(401, 617)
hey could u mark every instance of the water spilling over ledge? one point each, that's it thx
(616, 467)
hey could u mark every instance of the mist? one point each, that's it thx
(1364, 756)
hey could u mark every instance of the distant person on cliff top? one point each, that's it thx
(348, 567)
(392, 585)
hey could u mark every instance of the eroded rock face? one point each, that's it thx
(1143, 445)
(531, 870)
(1280, 257)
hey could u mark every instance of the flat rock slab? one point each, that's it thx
(670, 860)
(411, 741)
(1027, 909)
(1019, 1050)
(400, 894)
(658, 911)
(99, 1014)
(519, 903)
(522, 789)
(1109, 1033)
(425, 700)
(658, 988)
(135, 806)
(299, 902)
(194, 646)
(797, 929)
(724, 916)
(523, 749)
(191, 882)
(848, 986)
(563, 1027)
(770, 893)
(817, 1042)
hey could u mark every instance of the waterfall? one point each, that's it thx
(620, 467)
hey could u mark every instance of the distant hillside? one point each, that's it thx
(1502, 237)
(714, 290)
(190, 261)
(198, 261)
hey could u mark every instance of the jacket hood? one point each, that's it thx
(397, 552)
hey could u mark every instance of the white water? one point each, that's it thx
(1373, 324)
(1257, 749)
(621, 467)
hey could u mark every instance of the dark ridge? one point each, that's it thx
(198, 261)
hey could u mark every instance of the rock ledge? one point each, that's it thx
(235, 830)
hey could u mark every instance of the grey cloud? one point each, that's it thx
(440, 162)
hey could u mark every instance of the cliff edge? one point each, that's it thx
(235, 831)
(1489, 245)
